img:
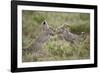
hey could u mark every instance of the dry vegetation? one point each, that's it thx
(56, 48)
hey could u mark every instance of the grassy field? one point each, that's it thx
(56, 48)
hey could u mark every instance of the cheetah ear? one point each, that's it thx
(66, 25)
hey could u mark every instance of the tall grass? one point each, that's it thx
(56, 48)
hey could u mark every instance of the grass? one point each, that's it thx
(56, 48)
